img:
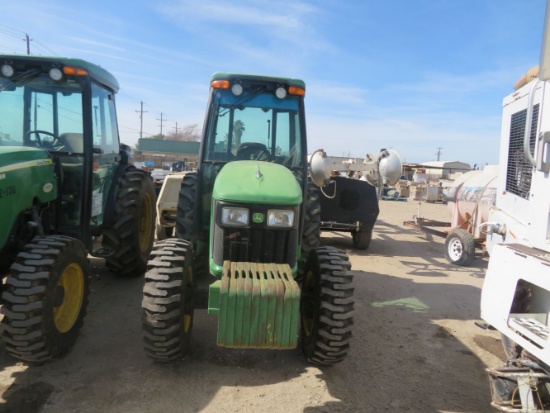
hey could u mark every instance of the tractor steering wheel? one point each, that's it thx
(38, 132)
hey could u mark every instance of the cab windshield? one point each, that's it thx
(254, 127)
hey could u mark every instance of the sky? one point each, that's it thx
(425, 77)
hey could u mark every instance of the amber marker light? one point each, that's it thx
(220, 84)
(74, 71)
(297, 91)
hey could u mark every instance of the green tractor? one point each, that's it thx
(67, 190)
(247, 235)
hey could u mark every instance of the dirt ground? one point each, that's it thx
(415, 346)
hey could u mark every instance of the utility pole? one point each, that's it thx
(141, 112)
(161, 121)
(176, 128)
(28, 40)
(438, 153)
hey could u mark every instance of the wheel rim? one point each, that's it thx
(455, 249)
(145, 220)
(71, 285)
(307, 310)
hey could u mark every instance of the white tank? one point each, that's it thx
(470, 197)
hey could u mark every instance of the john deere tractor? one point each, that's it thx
(247, 235)
(67, 190)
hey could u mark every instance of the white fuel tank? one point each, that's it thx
(470, 197)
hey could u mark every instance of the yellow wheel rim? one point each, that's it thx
(145, 223)
(72, 283)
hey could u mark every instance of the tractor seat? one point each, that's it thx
(73, 142)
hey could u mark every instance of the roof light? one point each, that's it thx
(280, 92)
(55, 74)
(295, 90)
(220, 84)
(237, 89)
(7, 70)
(75, 71)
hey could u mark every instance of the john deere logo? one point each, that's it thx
(258, 218)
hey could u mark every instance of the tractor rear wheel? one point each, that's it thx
(45, 298)
(133, 231)
(167, 306)
(460, 247)
(185, 217)
(326, 306)
(312, 220)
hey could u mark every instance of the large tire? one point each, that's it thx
(185, 217)
(133, 231)
(326, 306)
(45, 298)
(460, 247)
(362, 239)
(167, 306)
(312, 221)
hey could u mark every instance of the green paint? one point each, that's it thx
(411, 303)
(257, 182)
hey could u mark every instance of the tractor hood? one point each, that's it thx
(15, 155)
(257, 182)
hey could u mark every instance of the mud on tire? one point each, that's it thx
(132, 233)
(167, 306)
(326, 306)
(45, 298)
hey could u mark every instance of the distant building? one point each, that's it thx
(163, 153)
(444, 169)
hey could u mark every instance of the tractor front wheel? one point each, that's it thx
(45, 298)
(326, 306)
(133, 231)
(167, 306)
(312, 220)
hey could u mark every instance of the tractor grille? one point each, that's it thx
(518, 176)
(257, 245)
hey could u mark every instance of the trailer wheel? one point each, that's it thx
(167, 306)
(132, 234)
(186, 208)
(312, 220)
(326, 306)
(361, 239)
(45, 298)
(459, 247)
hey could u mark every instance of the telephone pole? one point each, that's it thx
(28, 40)
(141, 112)
(161, 122)
(176, 128)
(438, 153)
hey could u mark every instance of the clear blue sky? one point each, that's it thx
(414, 76)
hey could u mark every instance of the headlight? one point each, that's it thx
(280, 218)
(235, 217)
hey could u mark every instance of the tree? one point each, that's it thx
(186, 133)
(238, 129)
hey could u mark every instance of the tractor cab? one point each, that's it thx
(65, 108)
